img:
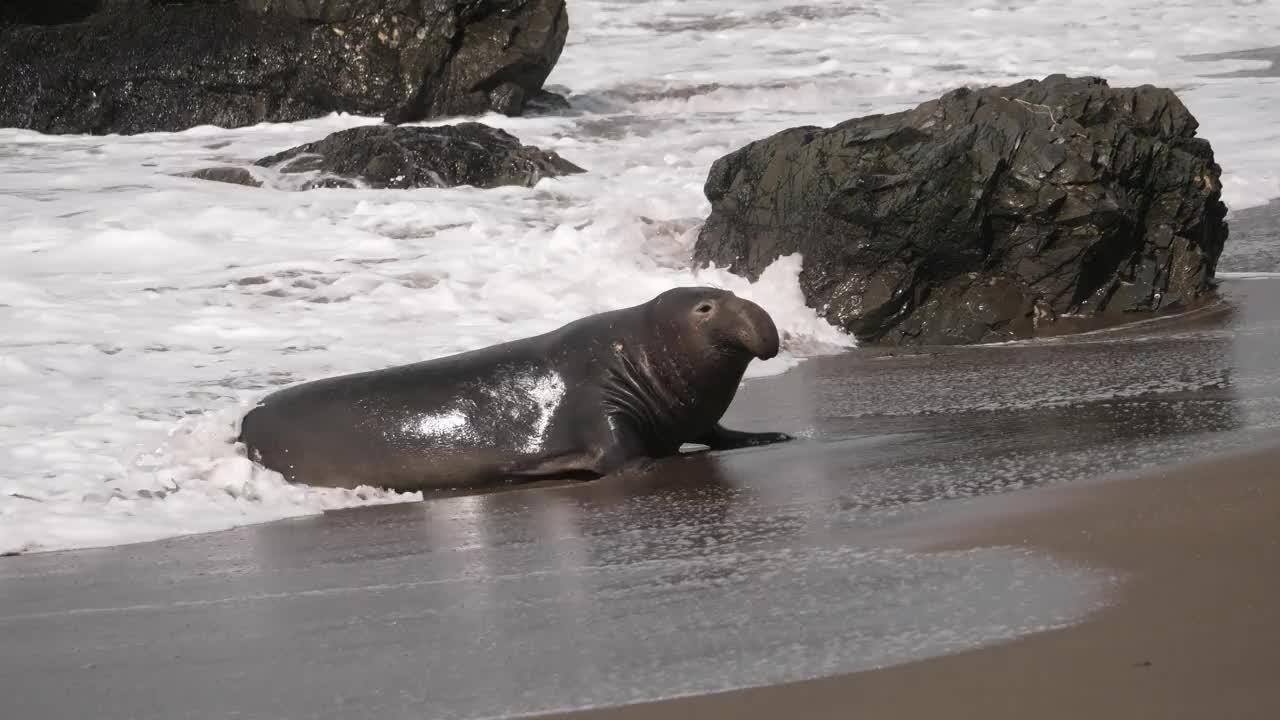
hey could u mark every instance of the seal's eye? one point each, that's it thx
(704, 308)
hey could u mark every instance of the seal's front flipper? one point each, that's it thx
(722, 438)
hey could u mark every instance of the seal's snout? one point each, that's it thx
(755, 329)
(724, 321)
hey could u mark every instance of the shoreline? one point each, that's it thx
(739, 569)
(1239, 303)
(1190, 632)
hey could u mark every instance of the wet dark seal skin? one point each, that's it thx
(601, 394)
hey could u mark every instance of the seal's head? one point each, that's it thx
(718, 321)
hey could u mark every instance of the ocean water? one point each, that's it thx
(144, 312)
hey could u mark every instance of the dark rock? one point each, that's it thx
(545, 102)
(233, 175)
(329, 183)
(383, 156)
(129, 66)
(38, 12)
(981, 216)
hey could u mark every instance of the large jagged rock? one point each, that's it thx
(382, 156)
(985, 215)
(130, 66)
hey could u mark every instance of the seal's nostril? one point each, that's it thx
(704, 308)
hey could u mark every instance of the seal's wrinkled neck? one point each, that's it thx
(671, 382)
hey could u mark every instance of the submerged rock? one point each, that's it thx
(382, 156)
(131, 66)
(224, 174)
(546, 102)
(985, 215)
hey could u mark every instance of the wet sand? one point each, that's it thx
(1193, 633)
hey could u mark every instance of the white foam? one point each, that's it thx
(143, 311)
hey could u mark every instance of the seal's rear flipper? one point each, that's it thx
(575, 465)
(635, 466)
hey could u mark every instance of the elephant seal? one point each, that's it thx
(595, 396)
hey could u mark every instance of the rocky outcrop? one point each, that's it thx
(130, 66)
(985, 215)
(382, 156)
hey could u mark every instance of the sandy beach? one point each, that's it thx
(1191, 634)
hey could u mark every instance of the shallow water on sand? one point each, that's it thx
(501, 605)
